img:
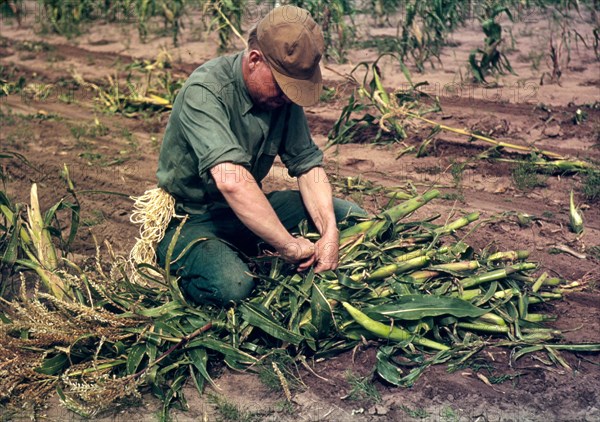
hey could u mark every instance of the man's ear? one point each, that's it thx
(254, 58)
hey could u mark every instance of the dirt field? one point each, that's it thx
(122, 158)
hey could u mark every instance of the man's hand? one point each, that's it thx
(299, 251)
(326, 253)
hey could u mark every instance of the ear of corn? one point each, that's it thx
(575, 217)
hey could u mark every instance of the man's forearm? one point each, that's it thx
(249, 203)
(318, 199)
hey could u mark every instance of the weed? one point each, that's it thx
(91, 156)
(453, 196)
(328, 94)
(535, 57)
(362, 388)
(96, 217)
(154, 143)
(284, 406)
(78, 131)
(525, 177)
(89, 130)
(429, 169)
(7, 84)
(548, 214)
(595, 252)
(34, 46)
(499, 379)
(591, 187)
(417, 413)
(231, 412)
(7, 118)
(287, 373)
(448, 414)
(20, 135)
(579, 117)
(457, 170)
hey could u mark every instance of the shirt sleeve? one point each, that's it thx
(204, 122)
(298, 151)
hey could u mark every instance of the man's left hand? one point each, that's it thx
(326, 255)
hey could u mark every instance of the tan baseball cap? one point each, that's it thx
(292, 44)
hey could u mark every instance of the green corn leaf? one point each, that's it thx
(174, 392)
(415, 307)
(321, 312)
(223, 348)
(262, 320)
(134, 358)
(385, 367)
(199, 359)
(53, 365)
(159, 311)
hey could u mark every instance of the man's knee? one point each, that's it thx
(343, 209)
(219, 289)
(236, 288)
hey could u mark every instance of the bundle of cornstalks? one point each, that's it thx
(412, 288)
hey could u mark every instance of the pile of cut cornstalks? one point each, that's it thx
(412, 288)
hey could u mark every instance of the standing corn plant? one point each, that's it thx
(490, 60)
(171, 12)
(425, 27)
(226, 19)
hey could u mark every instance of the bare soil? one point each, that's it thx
(123, 160)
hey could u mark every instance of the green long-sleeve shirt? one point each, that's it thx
(214, 121)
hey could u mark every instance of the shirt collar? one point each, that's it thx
(246, 101)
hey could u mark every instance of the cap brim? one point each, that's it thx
(304, 92)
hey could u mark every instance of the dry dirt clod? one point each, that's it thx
(552, 131)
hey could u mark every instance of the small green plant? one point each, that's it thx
(548, 214)
(457, 170)
(34, 46)
(362, 388)
(95, 218)
(526, 177)
(535, 58)
(579, 117)
(89, 130)
(449, 415)
(231, 412)
(591, 187)
(328, 94)
(279, 373)
(417, 413)
(499, 379)
(595, 252)
(453, 196)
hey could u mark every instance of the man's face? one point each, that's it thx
(262, 87)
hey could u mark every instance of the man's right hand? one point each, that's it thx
(298, 251)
